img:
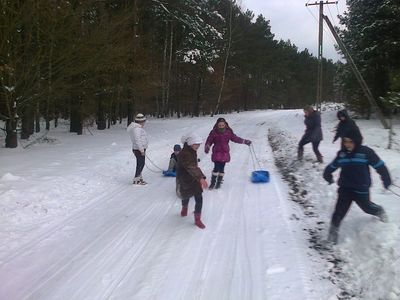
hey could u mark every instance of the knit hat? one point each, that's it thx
(177, 148)
(140, 118)
(355, 135)
(192, 139)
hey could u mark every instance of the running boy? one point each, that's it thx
(355, 180)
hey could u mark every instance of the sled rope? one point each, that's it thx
(398, 195)
(147, 166)
(393, 192)
(254, 157)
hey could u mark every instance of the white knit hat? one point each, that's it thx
(191, 139)
(140, 118)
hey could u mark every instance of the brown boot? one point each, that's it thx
(197, 221)
(184, 211)
(320, 159)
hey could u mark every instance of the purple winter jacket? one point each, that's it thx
(220, 150)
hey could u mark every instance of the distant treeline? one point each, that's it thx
(106, 60)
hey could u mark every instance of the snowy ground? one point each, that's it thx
(73, 227)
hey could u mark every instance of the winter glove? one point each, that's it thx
(329, 178)
(207, 148)
(247, 142)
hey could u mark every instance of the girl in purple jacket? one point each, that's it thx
(220, 136)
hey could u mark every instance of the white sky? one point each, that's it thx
(73, 227)
(292, 20)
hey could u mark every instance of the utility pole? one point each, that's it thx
(320, 40)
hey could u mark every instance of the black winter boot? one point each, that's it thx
(219, 180)
(213, 180)
(300, 153)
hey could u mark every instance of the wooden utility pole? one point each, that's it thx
(320, 40)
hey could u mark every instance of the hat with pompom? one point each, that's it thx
(140, 118)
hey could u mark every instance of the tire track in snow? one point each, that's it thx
(77, 253)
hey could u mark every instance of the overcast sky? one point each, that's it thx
(292, 20)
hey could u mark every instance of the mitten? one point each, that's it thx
(328, 178)
(207, 148)
(247, 142)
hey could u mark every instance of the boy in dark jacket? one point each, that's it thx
(344, 125)
(313, 133)
(190, 180)
(354, 182)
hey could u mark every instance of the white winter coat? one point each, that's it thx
(138, 137)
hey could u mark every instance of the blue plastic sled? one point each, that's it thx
(259, 176)
(169, 173)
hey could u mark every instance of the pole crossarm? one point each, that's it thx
(322, 2)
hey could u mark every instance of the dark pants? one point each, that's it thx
(199, 203)
(139, 162)
(346, 197)
(315, 145)
(219, 167)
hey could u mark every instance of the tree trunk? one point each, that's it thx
(27, 122)
(75, 117)
(11, 133)
(101, 120)
(196, 106)
(216, 110)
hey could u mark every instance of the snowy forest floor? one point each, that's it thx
(73, 227)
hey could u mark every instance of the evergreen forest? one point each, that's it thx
(102, 61)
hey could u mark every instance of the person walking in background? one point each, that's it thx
(190, 180)
(174, 158)
(313, 133)
(139, 145)
(220, 136)
(344, 125)
(354, 182)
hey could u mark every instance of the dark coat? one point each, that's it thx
(188, 173)
(313, 131)
(344, 125)
(220, 150)
(355, 169)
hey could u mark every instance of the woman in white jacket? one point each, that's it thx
(139, 144)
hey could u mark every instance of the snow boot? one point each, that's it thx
(184, 211)
(300, 153)
(138, 181)
(213, 180)
(333, 235)
(142, 182)
(197, 221)
(320, 159)
(383, 216)
(219, 180)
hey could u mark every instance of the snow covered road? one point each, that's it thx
(87, 233)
